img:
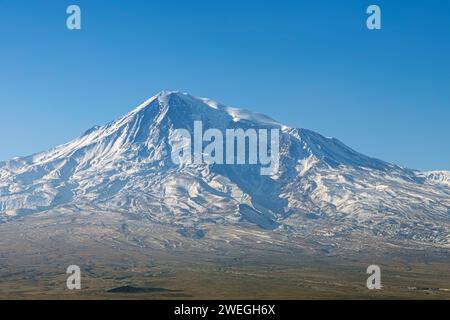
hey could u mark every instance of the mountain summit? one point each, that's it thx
(323, 188)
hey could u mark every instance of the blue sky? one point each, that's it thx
(310, 64)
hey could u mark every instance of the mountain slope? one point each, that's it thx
(323, 187)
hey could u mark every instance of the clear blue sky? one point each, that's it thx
(310, 64)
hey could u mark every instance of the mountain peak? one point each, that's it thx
(168, 93)
(164, 95)
(170, 97)
(180, 99)
(126, 166)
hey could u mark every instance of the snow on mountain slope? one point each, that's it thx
(322, 187)
(436, 177)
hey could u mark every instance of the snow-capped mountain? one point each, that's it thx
(323, 188)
